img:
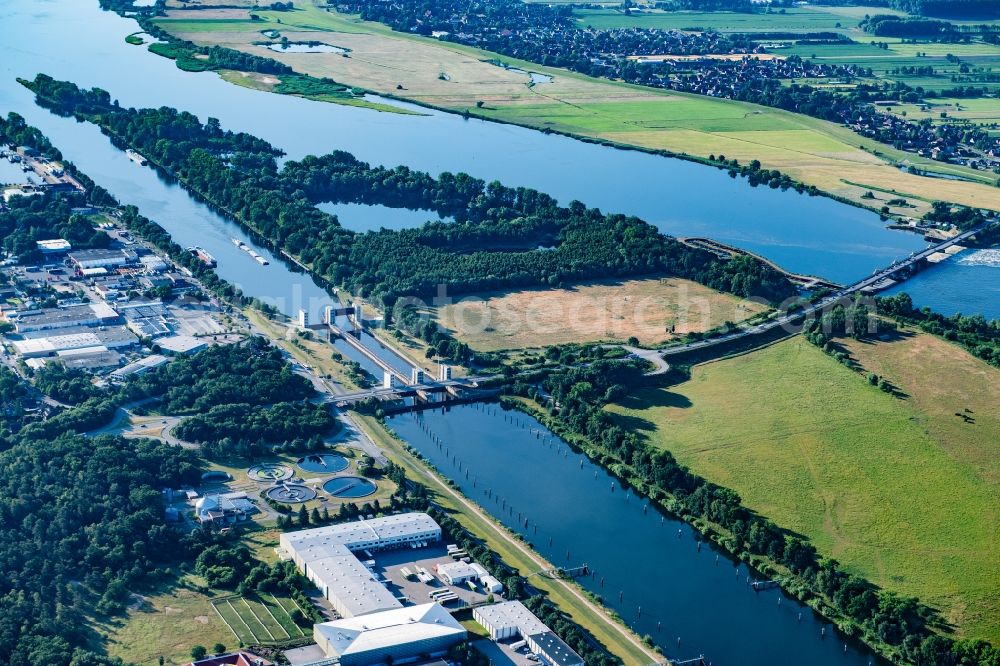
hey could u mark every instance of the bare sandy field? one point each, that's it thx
(652, 310)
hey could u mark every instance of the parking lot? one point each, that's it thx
(390, 563)
(501, 654)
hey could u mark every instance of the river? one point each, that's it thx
(514, 467)
(804, 234)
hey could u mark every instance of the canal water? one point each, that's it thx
(647, 567)
(968, 283)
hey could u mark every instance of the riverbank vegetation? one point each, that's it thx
(817, 153)
(496, 240)
(221, 426)
(252, 373)
(897, 493)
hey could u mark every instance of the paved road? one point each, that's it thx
(790, 318)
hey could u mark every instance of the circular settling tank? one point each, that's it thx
(291, 493)
(349, 486)
(323, 463)
(269, 472)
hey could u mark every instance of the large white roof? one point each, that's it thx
(512, 614)
(352, 534)
(389, 628)
(348, 580)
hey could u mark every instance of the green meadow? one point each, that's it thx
(872, 480)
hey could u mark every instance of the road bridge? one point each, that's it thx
(878, 280)
(389, 393)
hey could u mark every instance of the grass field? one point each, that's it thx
(262, 618)
(653, 310)
(983, 111)
(166, 624)
(900, 491)
(819, 153)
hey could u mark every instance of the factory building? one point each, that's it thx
(325, 556)
(377, 534)
(140, 367)
(349, 585)
(54, 246)
(180, 345)
(224, 508)
(456, 573)
(511, 619)
(391, 637)
(84, 259)
(49, 319)
(66, 340)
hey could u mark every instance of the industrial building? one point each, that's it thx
(148, 319)
(325, 556)
(179, 345)
(511, 619)
(393, 637)
(48, 319)
(223, 508)
(142, 366)
(73, 339)
(456, 573)
(54, 246)
(91, 360)
(377, 534)
(349, 585)
(84, 259)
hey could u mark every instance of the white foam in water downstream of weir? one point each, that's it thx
(989, 258)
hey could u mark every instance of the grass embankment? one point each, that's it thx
(409, 66)
(651, 309)
(314, 353)
(902, 492)
(567, 595)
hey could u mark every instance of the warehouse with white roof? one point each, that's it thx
(325, 557)
(511, 619)
(394, 637)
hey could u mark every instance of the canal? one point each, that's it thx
(647, 567)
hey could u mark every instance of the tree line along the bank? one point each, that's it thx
(901, 628)
(493, 242)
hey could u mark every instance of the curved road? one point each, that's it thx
(790, 318)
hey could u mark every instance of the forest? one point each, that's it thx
(24, 220)
(253, 374)
(502, 237)
(241, 422)
(81, 526)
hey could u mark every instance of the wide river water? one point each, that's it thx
(647, 567)
(805, 234)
